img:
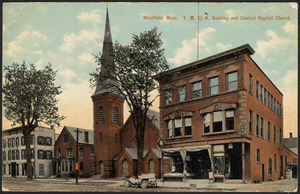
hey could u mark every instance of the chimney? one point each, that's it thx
(291, 135)
(86, 137)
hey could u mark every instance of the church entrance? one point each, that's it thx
(125, 168)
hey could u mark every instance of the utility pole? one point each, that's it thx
(76, 165)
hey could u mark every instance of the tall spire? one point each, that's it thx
(107, 63)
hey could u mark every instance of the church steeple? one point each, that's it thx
(107, 63)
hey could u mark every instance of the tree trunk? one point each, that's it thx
(140, 150)
(28, 154)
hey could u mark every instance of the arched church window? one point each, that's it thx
(115, 115)
(100, 114)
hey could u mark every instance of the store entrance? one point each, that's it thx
(235, 157)
(198, 164)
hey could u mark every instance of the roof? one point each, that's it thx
(72, 132)
(291, 142)
(132, 152)
(246, 48)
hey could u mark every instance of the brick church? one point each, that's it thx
(115, 149)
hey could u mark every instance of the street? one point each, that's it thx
(92, 185)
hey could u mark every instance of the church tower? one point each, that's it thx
(108, 112)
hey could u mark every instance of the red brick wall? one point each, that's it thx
(156, 161)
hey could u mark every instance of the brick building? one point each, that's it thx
(65, 153)
(14, 152)
(221, 117)
(114, 143)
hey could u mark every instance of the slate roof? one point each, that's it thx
(72, 132)
(132, 153)
(290, 142)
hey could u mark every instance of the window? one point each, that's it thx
(230, 120)
(270, 167)
(48, 141)
(81, 152)
(269, 129)
(168, 97)
(40, 140)
(265, 97)
(272, 103)
(181, 94)
(22, 141)
(41, 154)
(23, 154)
(279, 136)
(81, 166)
(250, 84)
(32, 153)
(250, 121)
(257, 125)
(206, 123)
(48, 154)
(257, 90)
(13, 142)
(100, 114)
(213, 85)
(41, 169)
(232, 81)
(86, 137)
(262, 127)
(69, 152)
(9, 155)
(178, 127)
(92, 154)
(115, 115)
(269, 99)
(13, 155)
(17, 141)
(275, 162)
(17, 155)
(9, 143)
(261, 94)
(217, 121)
(257, 155)
(188, 126)
(170, 130)
(197, 90)
(65, 139)
(278, 109)
(4, 143)
(4, 155)
(274, 134)
(274, 106)
(4, 168)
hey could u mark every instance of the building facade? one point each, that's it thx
(115, 149)
(14, 152)
(221, 118)
(65, 153)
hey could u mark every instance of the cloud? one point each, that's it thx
(86, 58)
(290, 28)
(275, 43)
(187, 52)
(67, 74)
(72, 40)
(223, 47)
(93, 16)
(294, 5)
(232, 12)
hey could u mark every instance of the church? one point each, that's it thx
(115, 150)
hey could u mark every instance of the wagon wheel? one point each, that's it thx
(127, 184)
(144, 184)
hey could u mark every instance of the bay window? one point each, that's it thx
(218, 121)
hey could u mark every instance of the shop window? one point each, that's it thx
(181, 94)
(217, 121)
(262, 127)
(206, 122)
(178, 127)
(230, 120)
(219, 164)
(213, 85)
(232, 81)
(188, 126)
(270, 167)
(168, 97)
(80, 152)
(197, 90)
(257, 90)
(176, 164)
(257, 125)
(100, 114)
(170, 129)
(257, 155)
(115, 115)
(269, 129)
(250, 121)
(250, 84)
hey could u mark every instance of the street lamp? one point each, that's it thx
(76, 165)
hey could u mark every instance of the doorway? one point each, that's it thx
(13, 169)
(263, 172)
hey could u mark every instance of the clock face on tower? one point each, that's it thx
(160, 143)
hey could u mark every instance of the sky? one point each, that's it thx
(68, 34)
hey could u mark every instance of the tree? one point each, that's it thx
(29, 99)
(131, 75)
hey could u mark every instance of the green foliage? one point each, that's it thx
(30, 95)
